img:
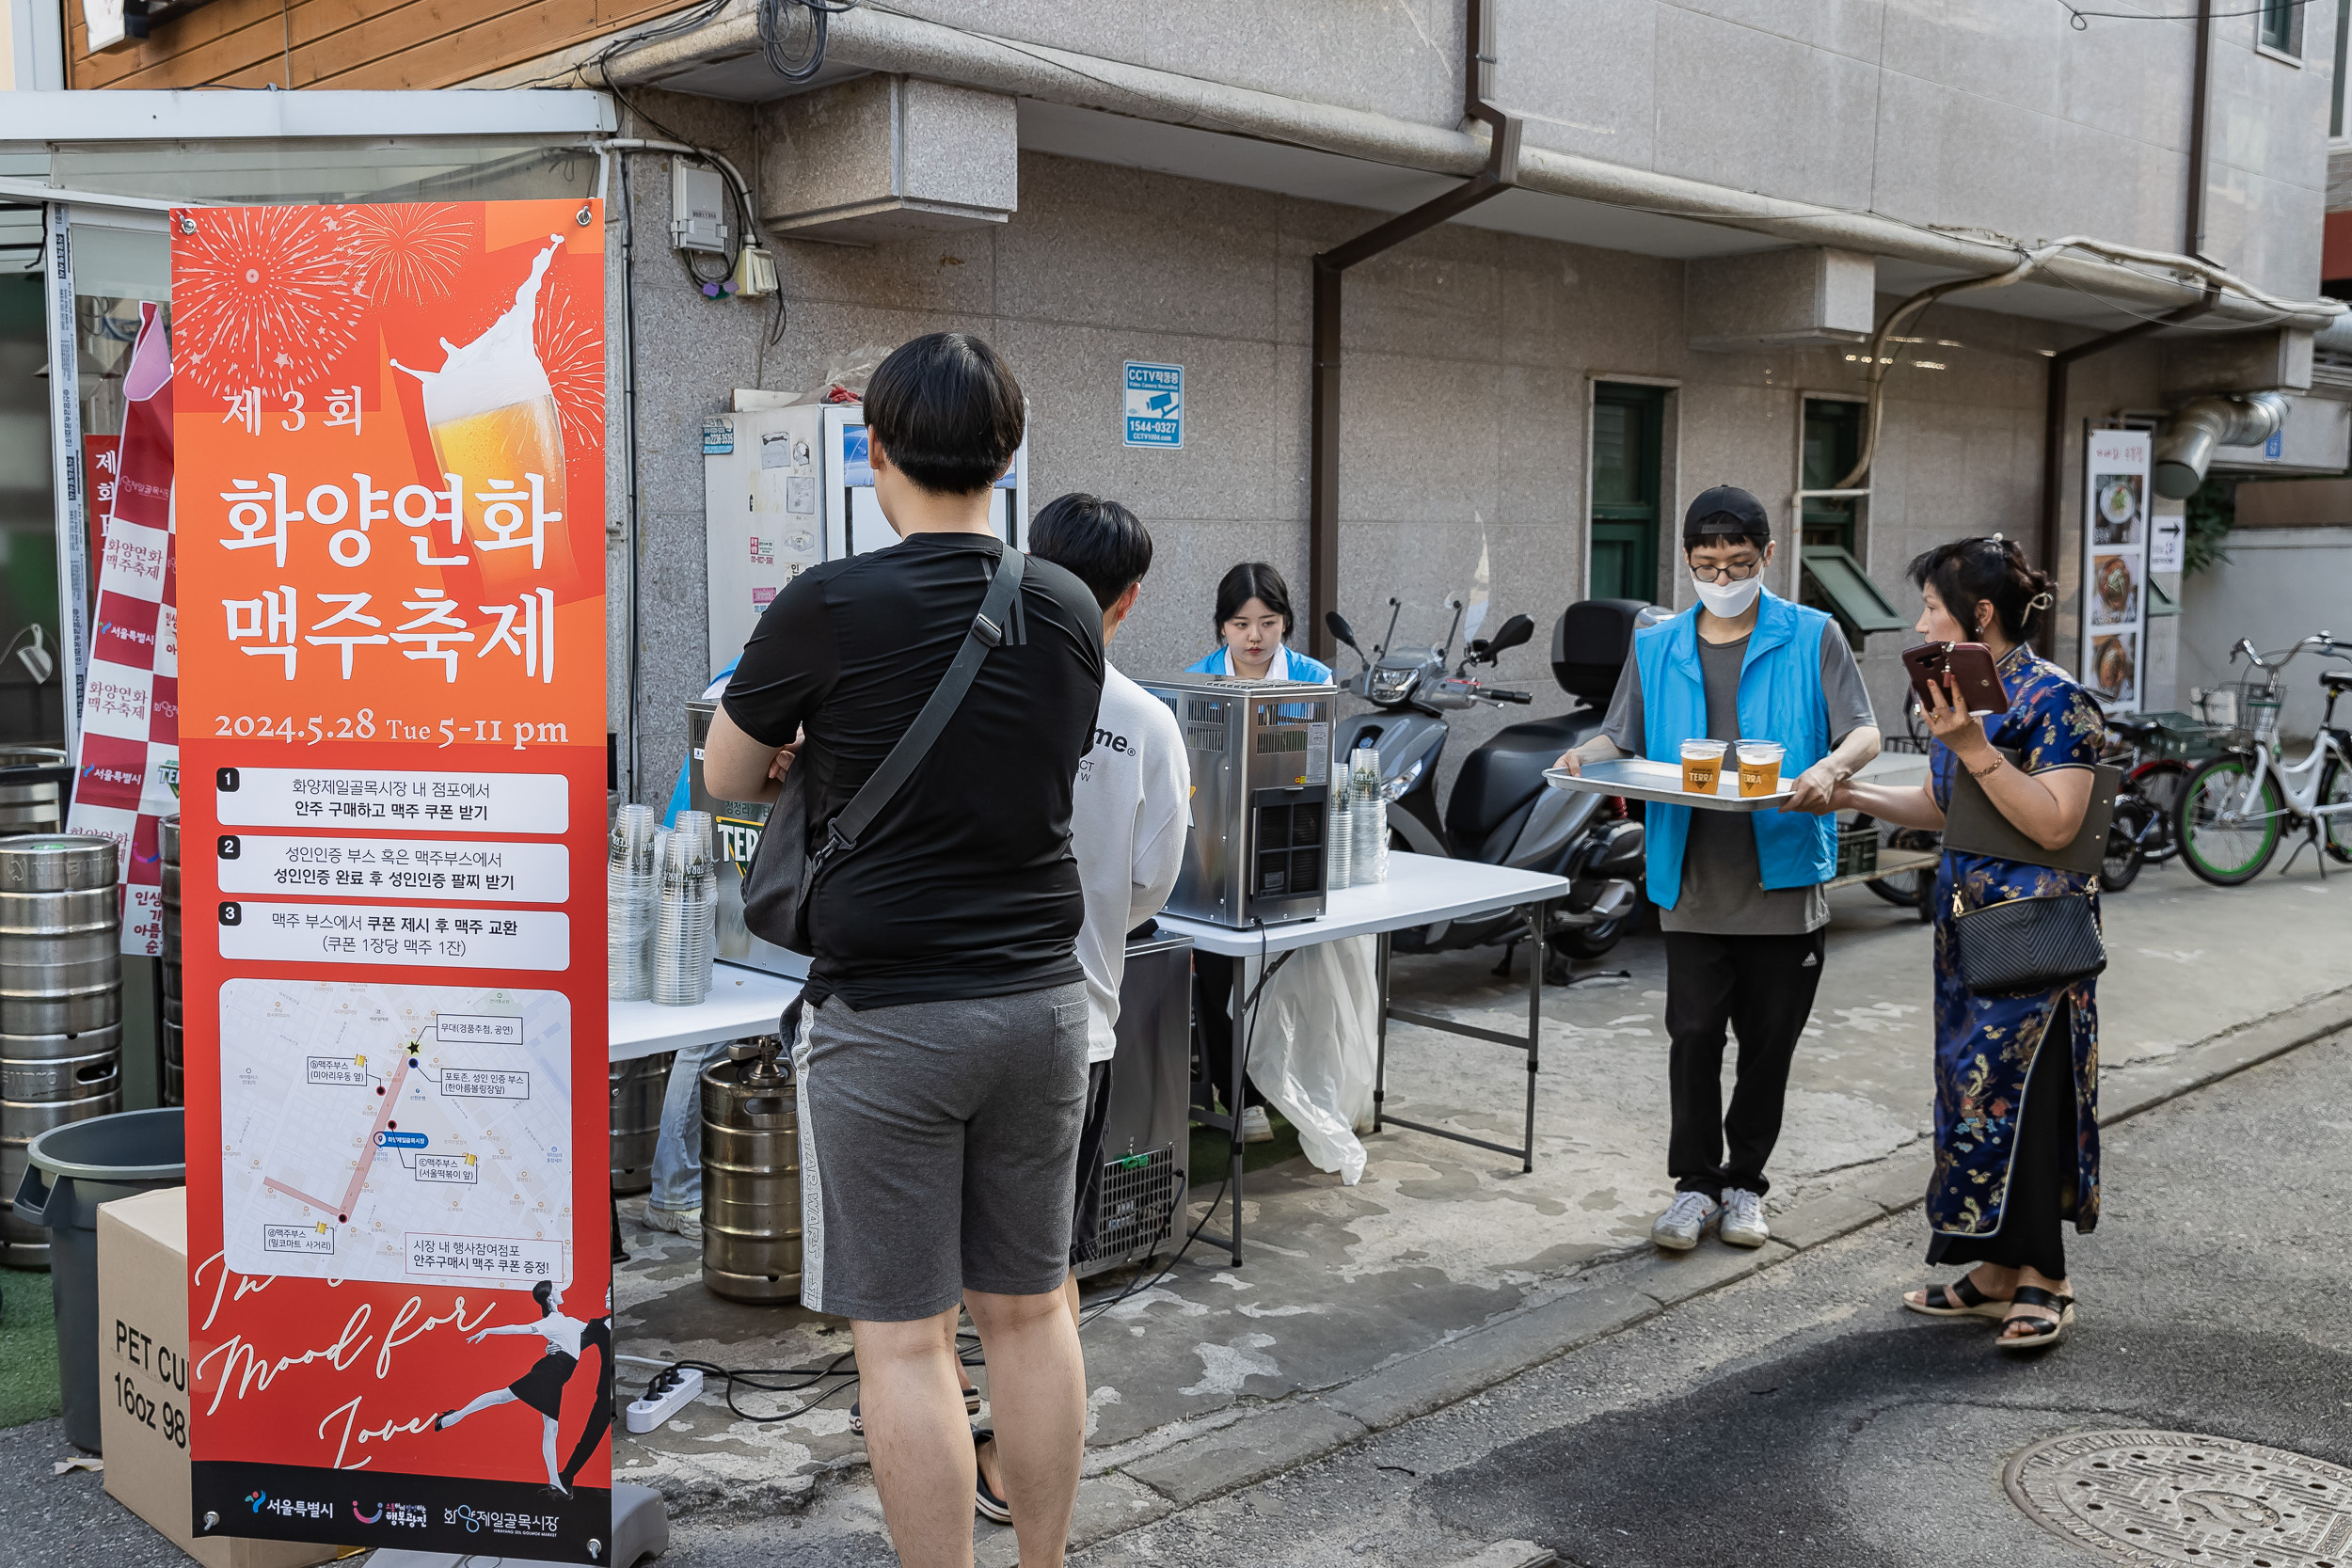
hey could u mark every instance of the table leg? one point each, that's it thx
(1380, 1013)
(1235, 1091)
(1537, 917)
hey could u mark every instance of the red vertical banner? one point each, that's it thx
(389, 501)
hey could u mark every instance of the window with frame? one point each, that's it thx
(1833, 444)
(2335, 108)
(2281, 27)
(1628, 430)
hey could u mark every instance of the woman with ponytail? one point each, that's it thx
(2016, 1077)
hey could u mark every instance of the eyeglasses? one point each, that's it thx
(1727, 573)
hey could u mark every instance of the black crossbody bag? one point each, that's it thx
(2029, 946)
(781, 877)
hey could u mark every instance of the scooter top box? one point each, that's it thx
(1639, 779)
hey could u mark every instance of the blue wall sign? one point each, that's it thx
(1156, 404)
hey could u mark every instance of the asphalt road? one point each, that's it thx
(1802, 1418)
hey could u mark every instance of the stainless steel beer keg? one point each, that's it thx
(60, 1004)
(30, 805)
(751, 1176)
(637, 1089)
(175, 1076)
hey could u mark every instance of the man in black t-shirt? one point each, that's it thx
(942, 1059)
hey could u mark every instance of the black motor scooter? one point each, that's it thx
(1501, 811)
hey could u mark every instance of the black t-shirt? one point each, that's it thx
(964, 886)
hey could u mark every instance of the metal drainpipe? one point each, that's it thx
(2054, 398)
(1500, 175)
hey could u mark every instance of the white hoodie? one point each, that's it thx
(1128, 815)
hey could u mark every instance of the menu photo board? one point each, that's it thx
(2117, 522)
(390, 514)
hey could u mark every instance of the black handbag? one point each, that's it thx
(2027, 946)
(782, 874)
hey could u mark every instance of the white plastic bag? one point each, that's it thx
(1314, 1052)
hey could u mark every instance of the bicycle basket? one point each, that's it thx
(2248, 708)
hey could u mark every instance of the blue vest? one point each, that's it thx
(1780, 699)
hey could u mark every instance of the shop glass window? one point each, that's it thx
(1628, 424)
(1833, 442)
(2335, 111)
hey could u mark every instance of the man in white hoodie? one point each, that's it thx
(1128, 816)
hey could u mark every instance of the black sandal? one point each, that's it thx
(984, 1500)
(2042, 1331)
(1962, 1299)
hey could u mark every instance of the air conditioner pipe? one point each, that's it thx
(2185, 448)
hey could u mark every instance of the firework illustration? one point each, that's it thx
(262, 297)
(570, 344)
(407, 252)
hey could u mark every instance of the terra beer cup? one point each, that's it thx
(1702, 765)
(1759, 767)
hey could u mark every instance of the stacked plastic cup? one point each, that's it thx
(1367, 817)
(682, 937)
(1339, 865)
(628, 894)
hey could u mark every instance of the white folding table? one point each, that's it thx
(1421, 890)
(742, 1003)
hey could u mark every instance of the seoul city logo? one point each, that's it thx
(255, 1500)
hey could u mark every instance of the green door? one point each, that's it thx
(1629, 423)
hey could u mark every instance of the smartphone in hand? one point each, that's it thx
(1970, 663)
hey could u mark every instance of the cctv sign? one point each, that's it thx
(1156, 404)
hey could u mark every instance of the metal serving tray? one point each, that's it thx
(1641, 778)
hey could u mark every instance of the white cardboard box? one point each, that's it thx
(143, 1379)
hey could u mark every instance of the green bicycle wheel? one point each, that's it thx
(2223, 839)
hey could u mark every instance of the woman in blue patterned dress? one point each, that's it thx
(2016, 1125)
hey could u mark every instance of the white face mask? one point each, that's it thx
(1729, 600)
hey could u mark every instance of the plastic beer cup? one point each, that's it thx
(1759, 767)
(1702, 765)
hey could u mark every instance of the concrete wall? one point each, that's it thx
(1470, 356)
(2280, 585)
(1984, 114)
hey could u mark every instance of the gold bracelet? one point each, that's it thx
(1997, 762)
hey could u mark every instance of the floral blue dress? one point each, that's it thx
(1985, 1046)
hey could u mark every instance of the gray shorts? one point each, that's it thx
(938, 1147)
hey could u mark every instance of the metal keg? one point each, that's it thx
(60, 1005)
(28, 802)
(637, 1090)
(751, 1176)
(174, 1085)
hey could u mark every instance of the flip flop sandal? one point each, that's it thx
(1962, 1299)
(2043, 1332)
(985, 1502)
(857, 1413)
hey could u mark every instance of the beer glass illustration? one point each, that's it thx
(493, 420)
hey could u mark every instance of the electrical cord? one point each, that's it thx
(805, 65)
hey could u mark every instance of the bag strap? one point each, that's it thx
(988, 631)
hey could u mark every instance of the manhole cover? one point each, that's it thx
(2151, 1498)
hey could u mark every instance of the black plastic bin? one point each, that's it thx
(70, 1171)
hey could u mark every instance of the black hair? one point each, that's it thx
(1252, 579)
(540, 1292)
(1106, 545)
(1694, 541)
(1967, 573)
(946, 410)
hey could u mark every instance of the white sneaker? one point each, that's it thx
(1255, 1129)
(1743, 1218)
(1685, 1221)
(678, 1222)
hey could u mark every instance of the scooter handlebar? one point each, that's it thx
(1501, 696)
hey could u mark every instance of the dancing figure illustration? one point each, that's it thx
(542, 1387)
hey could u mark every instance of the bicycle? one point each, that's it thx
(2236, 806)
(2141, 832)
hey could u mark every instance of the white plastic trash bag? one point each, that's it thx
(1314, 1052)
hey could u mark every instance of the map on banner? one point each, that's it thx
(409, 1134)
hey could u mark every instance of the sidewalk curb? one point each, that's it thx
(1613, 1297)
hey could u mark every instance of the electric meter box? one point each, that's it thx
(787, 488)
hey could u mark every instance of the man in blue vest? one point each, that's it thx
(1739, 895)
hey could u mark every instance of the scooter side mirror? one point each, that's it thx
(1513, 632)
(1337, 624)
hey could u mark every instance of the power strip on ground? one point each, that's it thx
(682, 1385)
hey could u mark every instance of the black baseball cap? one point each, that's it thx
(1725, 508)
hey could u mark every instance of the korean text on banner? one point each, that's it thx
(126, 772)
(391, 425)
(2115, 524)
